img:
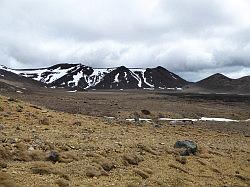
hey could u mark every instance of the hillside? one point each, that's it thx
(11, 82)
(41, 147)
(219, 82)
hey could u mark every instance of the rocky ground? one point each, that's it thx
(42, 147)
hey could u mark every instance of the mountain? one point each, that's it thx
(79, 76)
(222, 83)
(12, 82)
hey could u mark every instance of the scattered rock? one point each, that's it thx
(92, 154)
(5, 153)
(133, 185)
(3, 165)
(12, 99)
(6, 114)
(203, 152)
(37, 155)
(187, 147)
(36, 107)
(19, 108)
(6, 181)
(62, 183)
(18, 128)
(156, 125)
(141, 173)
(92, 171)
(31, 148)
(68, 156)
(181, 159)
(1, 126)
(202, 162)
(95, 171)
(147, 149)
(148, 170)
(133, 159)
(77, 123)
(44, 121)
(178, 168)
(136, 117)
(42, 169)
(54, 156)
(106, 164)
(215, 170)
(243, 178)
(145, 112)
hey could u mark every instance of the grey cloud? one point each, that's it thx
(191, 37)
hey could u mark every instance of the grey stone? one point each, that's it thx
(1, 126)
(189, 147)
(54, 156)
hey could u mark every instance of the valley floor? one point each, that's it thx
(44, 147)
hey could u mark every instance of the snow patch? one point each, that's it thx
(72, 91)
(174, 119)
(116, 78)
(218, 119)
(140, 119)
(142, 71)
(76, 79)
(96, 76)
(137, 78)
(109, 117)
(190, 119)
(173, 76)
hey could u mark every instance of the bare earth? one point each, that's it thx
(95, 151)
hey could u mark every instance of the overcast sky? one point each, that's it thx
(193, 38)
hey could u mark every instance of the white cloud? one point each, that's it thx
(188, 37)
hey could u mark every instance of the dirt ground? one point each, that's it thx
(66, 147)
(125, 104)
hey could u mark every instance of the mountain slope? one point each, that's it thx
(219, 82)
(10, 81)
(78, 76)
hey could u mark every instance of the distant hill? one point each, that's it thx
(222, 83)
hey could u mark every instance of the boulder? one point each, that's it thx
(146, 112)
(187, 147)
(54, 156)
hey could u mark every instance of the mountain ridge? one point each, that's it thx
(79, 76)
(220, 82)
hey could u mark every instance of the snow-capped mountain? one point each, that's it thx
(79, 76)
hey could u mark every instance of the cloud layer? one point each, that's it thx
(193, 38)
